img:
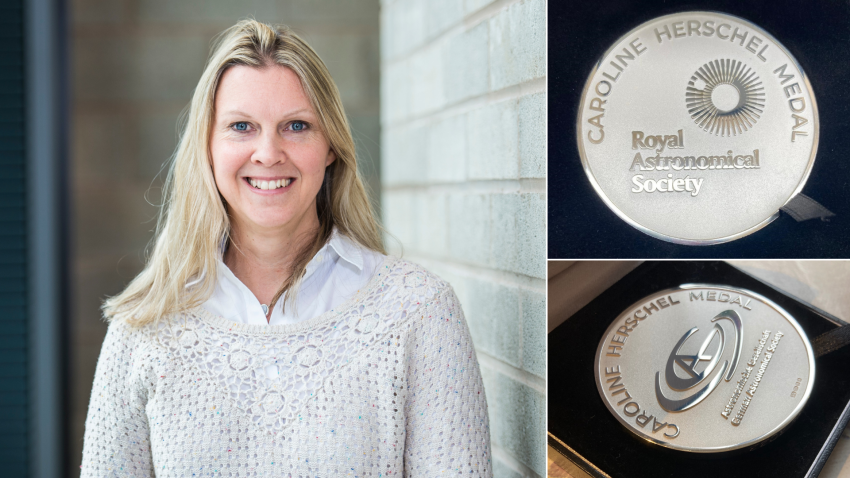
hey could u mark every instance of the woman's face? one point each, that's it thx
(268, 152)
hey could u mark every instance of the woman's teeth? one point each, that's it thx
(280, 183)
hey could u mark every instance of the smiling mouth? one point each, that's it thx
(260, 184)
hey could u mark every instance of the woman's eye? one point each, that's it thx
(240, 126)
(299, 126)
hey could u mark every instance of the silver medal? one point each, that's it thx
(705, 368)
(697, 127)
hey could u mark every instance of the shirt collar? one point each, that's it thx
(346, 249)
(342, 246)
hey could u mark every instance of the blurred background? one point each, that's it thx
(446, 100)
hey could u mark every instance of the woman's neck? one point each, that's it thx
(263, 259)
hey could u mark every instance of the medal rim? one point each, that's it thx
(682, 240)
(765, 436)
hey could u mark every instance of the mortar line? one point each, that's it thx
(466, 23)
(508, 459)
(519, 90)
(521, 376)
(525, 185)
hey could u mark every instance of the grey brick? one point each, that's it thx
(404, 160)
(466, 64)
(469, 228)
(531, 237)
(518, 231)
(398, 220)
(532, 136)
(433, 215)
(494, 319)
(447, 150)
(441, 15)
(518, 44)
(504, 211)
(534, 333)
(517, 419)
(426, 74)
(407, 26)
(493, 141)
(395, 92)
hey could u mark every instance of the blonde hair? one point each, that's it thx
(193, 220)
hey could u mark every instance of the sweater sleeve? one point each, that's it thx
(117, 440)
(447, 427)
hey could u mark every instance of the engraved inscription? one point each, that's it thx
(796, 387)
(631, 408)
(689, 363)
(666, 185)
(797, 104)
(745, 375)
(671, 183)
(596, 134)
(641, 140)
(725, 97)
(711, 295)
(678, 163)
(710, 28)
(751, 392)
(618, 340)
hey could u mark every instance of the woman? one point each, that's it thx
(269, 334)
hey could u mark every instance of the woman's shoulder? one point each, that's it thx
(412, 279)
(125, 333)
(125, 329)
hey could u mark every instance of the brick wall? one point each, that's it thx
(463, 102)
(134, 66)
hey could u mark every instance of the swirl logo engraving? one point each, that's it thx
(689, 363)
(725, 97)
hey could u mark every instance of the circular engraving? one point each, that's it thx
(725, 97)
(704, 368)
(697, 127)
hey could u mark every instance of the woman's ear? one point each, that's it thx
(331, 157)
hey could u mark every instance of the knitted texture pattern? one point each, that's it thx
(385, 385)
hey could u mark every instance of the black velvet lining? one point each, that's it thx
(579, 418)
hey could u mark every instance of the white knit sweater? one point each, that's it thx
(385, 385)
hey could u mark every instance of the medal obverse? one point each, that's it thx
(697, 127)
(704, 368)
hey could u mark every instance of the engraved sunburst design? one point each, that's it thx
(731, 100)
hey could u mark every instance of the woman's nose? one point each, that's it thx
(270, 150)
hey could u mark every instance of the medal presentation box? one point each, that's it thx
(584, 430)
(675, 131)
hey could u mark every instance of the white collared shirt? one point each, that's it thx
(340, 269)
